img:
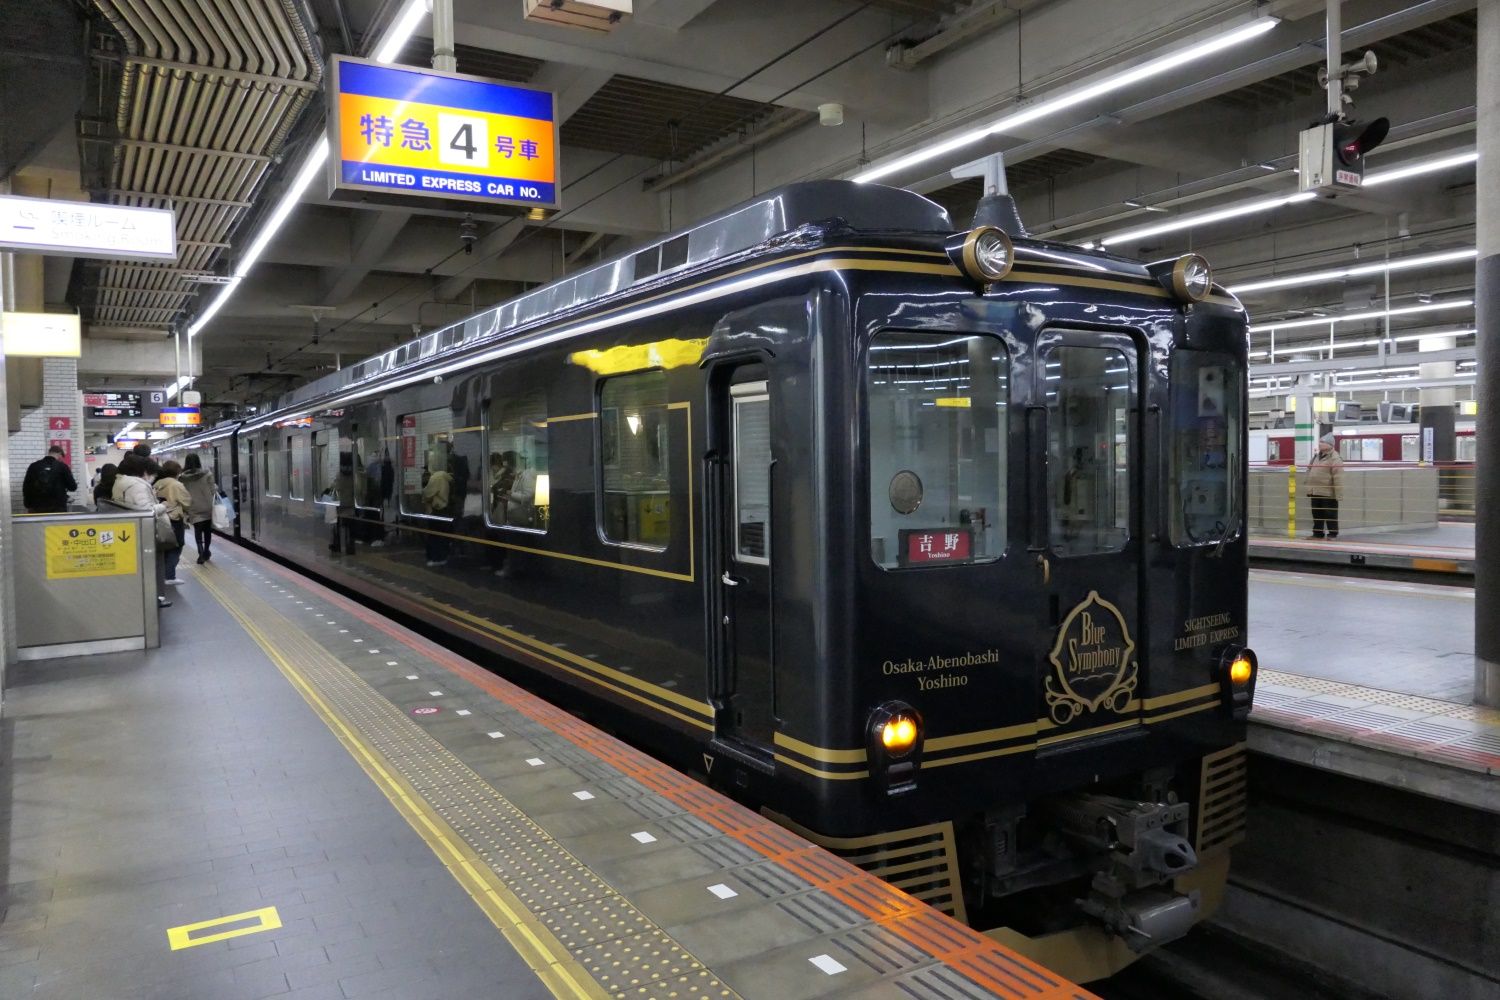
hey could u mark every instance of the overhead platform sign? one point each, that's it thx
(86, 229)
(411, 133)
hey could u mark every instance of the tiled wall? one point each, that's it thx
(60, 398)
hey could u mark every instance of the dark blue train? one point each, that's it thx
(929, 543)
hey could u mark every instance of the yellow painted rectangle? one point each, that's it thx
(1435, 565)
(265, 920)
(955, 402)
(91, 548)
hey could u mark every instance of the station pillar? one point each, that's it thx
(1438, 423)
(1487, 385)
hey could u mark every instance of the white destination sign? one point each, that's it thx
(85, 229)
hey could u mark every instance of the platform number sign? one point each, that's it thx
(463, 141)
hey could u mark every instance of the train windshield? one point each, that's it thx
(1089, 399)
(1205, 447)
(937, 434)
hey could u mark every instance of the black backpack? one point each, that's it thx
(40, 489)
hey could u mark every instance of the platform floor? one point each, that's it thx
(1447, 548)
(294, 797)
(1407, 638)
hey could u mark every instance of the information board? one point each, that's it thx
(180, 416)
(92, 549)
(408, 131)
(112, 405)
(87, 229)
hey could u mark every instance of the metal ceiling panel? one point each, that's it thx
(659, 120)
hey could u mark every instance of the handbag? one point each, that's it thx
(166, 538)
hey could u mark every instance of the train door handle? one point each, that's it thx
(1046, 567)
(730, 581)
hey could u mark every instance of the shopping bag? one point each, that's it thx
(166, 538)
(223, 519)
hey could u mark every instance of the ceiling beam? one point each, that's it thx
(374, 233)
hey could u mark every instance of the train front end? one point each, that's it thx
(1048, 572)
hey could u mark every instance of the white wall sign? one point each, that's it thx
(40, 335)
(86, 229)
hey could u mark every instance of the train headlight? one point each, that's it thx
(1238, 670)
(984, 254)
(1192, 278)
(1188, 278)
(895, 746)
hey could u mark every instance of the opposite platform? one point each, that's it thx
(493, 845)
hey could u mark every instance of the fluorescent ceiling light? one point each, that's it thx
(1335, 274)
(1072, 98)
(1352, 317)
(386, 51)
(175, 387)
(1204, 218)
(1417, 169)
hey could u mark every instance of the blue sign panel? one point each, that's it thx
(418, 132)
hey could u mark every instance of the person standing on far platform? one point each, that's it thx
(178, 501)
(1324, 485)
(202, 488)
(47, 484)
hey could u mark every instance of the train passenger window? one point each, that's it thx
(1089, 392)
(297, 446)
(938, 407)
(517, 484)
(633, 454)
(325, 466)
(1204, 447)
(435, 464)
(374, 472)
(273, 466)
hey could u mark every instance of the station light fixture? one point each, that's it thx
(403, 26)
(1294, 324)
(1205, 218)
(1354, 271)
(1423, 167)
(1074, 97)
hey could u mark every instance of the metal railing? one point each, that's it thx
(1375, 497)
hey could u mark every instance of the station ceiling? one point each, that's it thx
(693, 105)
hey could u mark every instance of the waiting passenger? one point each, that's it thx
(179, 502)
(47, 484)
(202, 488)
(132, 492)
(105, 485)
(1324, 486)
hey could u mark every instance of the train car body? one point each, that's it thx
(948, 574)
(1362, 442)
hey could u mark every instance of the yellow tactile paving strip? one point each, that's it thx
(478, 834)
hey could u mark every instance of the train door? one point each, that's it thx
(250, 499)
(741, 520)
(1085, 451)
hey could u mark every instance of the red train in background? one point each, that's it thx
(1362, 442)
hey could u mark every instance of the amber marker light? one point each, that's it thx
(1241, 670)
(899, 734)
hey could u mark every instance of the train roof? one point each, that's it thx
(815, 208)
(865, 207)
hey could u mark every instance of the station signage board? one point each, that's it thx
(180, 416)
(412, 133)
(87, 229)
(41, 335)
(112, 405)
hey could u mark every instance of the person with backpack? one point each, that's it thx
(47, 484)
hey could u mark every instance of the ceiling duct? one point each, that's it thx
(196, 100)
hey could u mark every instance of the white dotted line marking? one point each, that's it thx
(463, 711)
(535, 761)
(435, 694)
(390, 663)
(724, 892)
(583, 796)
(413, 677)
(495, 736)
(643, 837)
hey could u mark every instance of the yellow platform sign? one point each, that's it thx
(91, 548)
